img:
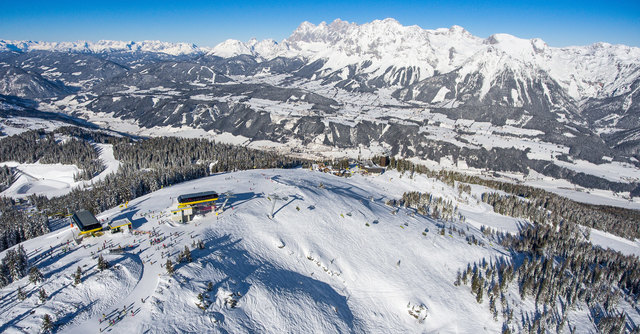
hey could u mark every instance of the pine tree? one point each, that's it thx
(102, 263)
(201, 302)
(458, 279)
(186, 255)
(169, 266)
(42, 294)
(479, 295)
(77, 278)
(47, 323)
(35, 275)
(21, 294)
(21, 261)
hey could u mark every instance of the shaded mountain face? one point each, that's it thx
(500, 103)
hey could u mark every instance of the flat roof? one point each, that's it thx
(197, 195)
(85, 220)
(119, 223)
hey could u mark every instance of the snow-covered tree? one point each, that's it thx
(47, 324)
(102, 263)
(77, 277)
(169, 266)
(42, 295)
(35, 275)
(186, 254)
(21, 294)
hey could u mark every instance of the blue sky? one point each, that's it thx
(206, 23)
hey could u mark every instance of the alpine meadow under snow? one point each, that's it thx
(378, 178)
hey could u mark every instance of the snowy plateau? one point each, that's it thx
(520, 125)
(334, 258)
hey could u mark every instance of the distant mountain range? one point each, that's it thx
(500, 103)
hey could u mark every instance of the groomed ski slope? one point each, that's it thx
(316, 267)
(56, 179)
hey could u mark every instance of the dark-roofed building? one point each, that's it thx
(191, 204)
(374, 170)
(196, 198)
(86, 222)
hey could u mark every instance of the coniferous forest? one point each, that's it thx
(52, 147)
(556, 267)
(551, 262)
(531, 203)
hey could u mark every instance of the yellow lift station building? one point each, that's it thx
(86, 222)
(190, 205)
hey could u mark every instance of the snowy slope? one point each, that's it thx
(55, 179)
(333, 259)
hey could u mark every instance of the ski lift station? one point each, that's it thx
(190, 205)
(85, 221)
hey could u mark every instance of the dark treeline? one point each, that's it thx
(619, 221)
(170, 152)
(38, 145)
(429, 205)
(17, 226)
(554, 209)
(557, 268)
(6, 177)
(14, 265)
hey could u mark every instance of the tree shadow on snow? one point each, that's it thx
(293, 198)
(14, 321)
(239, 199)
(41, 258)
(47, 261)
(243, 271)
(67, 318)
(348, 191)
(128, 214)
(278, 280)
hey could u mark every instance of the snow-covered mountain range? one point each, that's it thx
(595, 70)
(500, 103)
(100, 46)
